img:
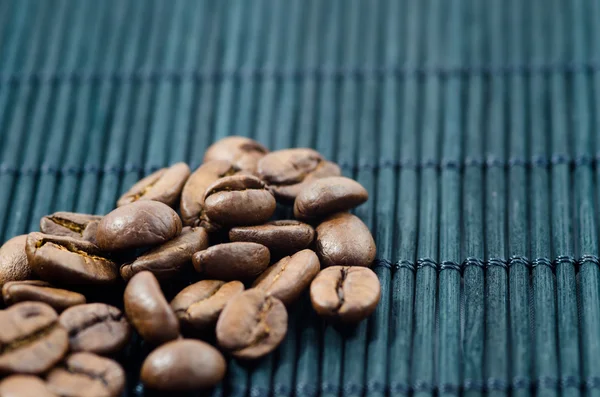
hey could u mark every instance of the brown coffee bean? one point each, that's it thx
(24, 386)
(40, 291)
(286, 279)
(164, 185)
(285, 171)
(96, 328)
(71, 224)
(139, 224)
(232, 261)
(171, 258)
(345, 293)
(87, 375)
(148, 310)
(244, 153)
(194, 191)
(66, 260)
(344, 240)
(239, 200)
(281, 237)
(183, 365)
(198, 306)
(14, 265)
(327, 196)
(31, 338)
(252, 324)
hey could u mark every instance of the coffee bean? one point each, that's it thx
(164, 185)
(244, 153)
(96, 328)
(31, 338)
(139, 224)
(148, 310)
(198, 306)
(24, 386)
(14, 265)
(344, 240)
(286, 171)
(87, 375)
(239, 200)
(286, 279)
(71, 224)
(194, 191)
(171, 258)
(66, 260)
(232, 261)
(183, 365)
(280, 237)
(40, 291)
(252, 324)
(327, 196)
(345, 293)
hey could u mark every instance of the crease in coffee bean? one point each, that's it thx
(96, 320)
(212, 293)
(340, 288)
(43, 242)
(262, 321)
(25, 340)
(100, 377)
(72, 226)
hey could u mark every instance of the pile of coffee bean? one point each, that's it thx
(220, 272)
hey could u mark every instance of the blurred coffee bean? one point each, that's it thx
(71, 224)
(24, 386)
(243, 153)
(280, 237)
(232, 261)
(288, 193)
(14, 265)
(40, 291)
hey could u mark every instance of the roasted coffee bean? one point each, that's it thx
(286, 171)
(171, 258)
(183, 365)
(148, 310)
(232, 261)
(24, 386)
(14, 265)
(194, 192)
(239, 200)
(345, 293)
(198, 306)
(139, 224)
(344, 240)
(281, 237)
(66, 260)
(40, 291)
(31, 339)
(252, 324)
(243, 153)
(164, 185)
(87, 375)
(286, 279)
(71, 224)
(96, 328)
(327, 196)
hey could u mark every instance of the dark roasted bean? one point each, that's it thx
(14, 265)
(244, 153)
(232, 261)
(281, 237)
(40, 291)
(71, 224)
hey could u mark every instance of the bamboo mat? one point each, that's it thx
(472, 123)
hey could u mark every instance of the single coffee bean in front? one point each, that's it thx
(243, 153)
(40, 291)
(232, 261)
(96, 328)
(199, 305)
(344, 240)
(164, 185)
(71, 224)
(281, 237)
(290, 276)
(14, 265)
(87, 375)
(347, 294)
(327, 196)
(252, 324)
(32, 340)
(183, 365)
(148, 310)
(168, 260)
(239, 200)
(24, 386)
(66, 260)
(136, 225)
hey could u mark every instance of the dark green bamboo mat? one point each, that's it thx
(472, 123)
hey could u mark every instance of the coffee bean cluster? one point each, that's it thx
(219, 273)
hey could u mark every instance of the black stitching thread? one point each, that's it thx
(450, 265)
(426, 262)
(519, 260)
